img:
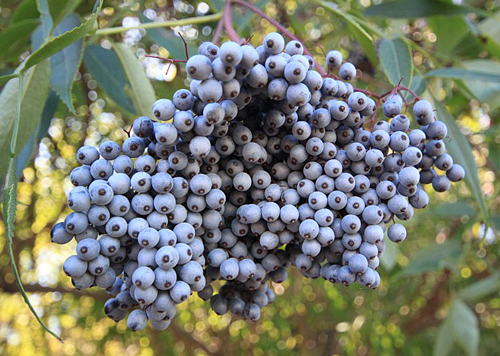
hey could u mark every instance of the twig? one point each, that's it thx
(185, 45)
(248, 39)
(410, 91)
(172, 61)
(367, 92)
(162, 24)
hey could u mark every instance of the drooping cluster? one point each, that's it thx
(261, 165)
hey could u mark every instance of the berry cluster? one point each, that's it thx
(263, 164)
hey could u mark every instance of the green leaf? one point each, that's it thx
(10, 200)
(433, 258)
(18, 32)
(105, 67)
(60, 9)
(395, 57)
(46, 19)
(365, 43)
(460, 73)
(242, 25)
(465, 327)
(143, 92)
(334, 8)
(390, 255)
(216, 4)
(170, 41)
(451, 210)
(443, 342)
(27, 151)
(461, 151)
(481, 289)
(65, 63)
(418, 85)
(34, 95)
(449, 31)
(58, 43)
(402, 9)
(489, 29)
(488, 92)
(24, 11)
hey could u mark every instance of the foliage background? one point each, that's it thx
(440, 288)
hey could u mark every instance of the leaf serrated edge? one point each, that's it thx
(42, 53)
(69, 104)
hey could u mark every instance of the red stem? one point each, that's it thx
(279, 26)
(185, 45)
(228, 23)
(290, 35)
(167, 59)
(410, 91)
(367, 92)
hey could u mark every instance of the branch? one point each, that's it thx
(280, 28)
(145, 26)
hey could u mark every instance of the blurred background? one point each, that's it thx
(440, 288)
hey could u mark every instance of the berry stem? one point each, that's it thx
(185, 45)
(410, 91)
(279, 26)
(367, 92)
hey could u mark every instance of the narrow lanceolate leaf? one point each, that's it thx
(459, 73)
(486, 92)
(450, 30)
(59, 9)
(411, 9)
(58, 43)
(418, 85)
(334, 8)
(47, 23)
(143, 93)
(443, 342)
(480, 289)
(433, 258)
(10, 201)
(461, 151)
(367, 45)
(26, 153)
(24, 11)
(65, 63)
(34, 95)
(105, 67)
(16, 33)
(465, 327)
(396, 60)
